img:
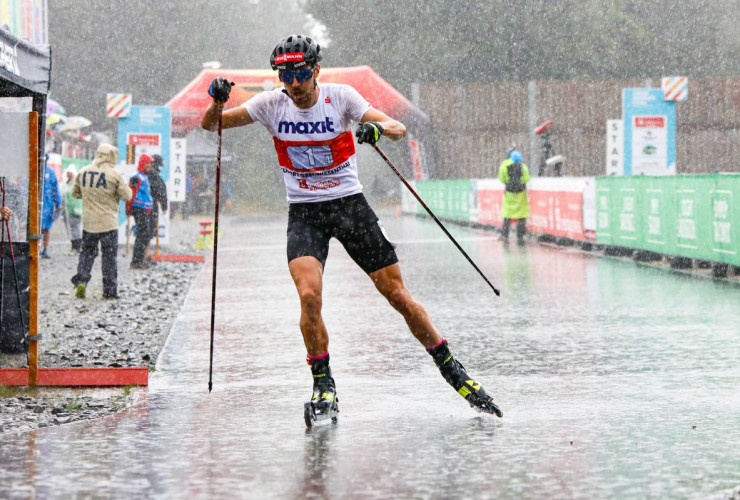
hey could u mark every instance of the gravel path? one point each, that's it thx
(94, 332)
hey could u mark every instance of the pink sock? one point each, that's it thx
(435, 346)
(310, 358)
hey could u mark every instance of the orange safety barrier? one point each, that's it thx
(77, 377)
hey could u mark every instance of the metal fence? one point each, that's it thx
(474, 125)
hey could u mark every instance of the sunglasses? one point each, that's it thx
(286, 76)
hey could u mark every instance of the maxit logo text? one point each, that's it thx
(306, 127)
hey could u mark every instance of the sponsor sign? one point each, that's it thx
(655, 212)
(557, 213)
(686, 204)
(138, 145)
(556, 207)
(724, 235)
(289, 57)
(564, 207)
(21, 62)
(490, 197)
(650, 133)
(694, 216)
(589, 209)
(603, 217)
(451, 199)
(146, 130)
(9, 58)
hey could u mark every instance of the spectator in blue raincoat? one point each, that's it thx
(52, 205)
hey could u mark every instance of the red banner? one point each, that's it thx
(557, 213)
(144, 139)
(489, 205)
(415, 148)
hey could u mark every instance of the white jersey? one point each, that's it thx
(315, 147)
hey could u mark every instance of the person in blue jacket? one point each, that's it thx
(140, 207)
(52, 204)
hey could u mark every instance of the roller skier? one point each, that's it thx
(311, 125)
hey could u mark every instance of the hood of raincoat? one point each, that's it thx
(144, 164)
(70, 168)
(106, 154)
(66, 185)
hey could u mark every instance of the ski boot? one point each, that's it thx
(323, 404)
(455, 375)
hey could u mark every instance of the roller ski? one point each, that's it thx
(455, 375)
(323, 405)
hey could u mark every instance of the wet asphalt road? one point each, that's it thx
(616, 381)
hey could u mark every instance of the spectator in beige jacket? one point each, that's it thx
(101, 187)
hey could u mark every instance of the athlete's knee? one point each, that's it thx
(311, 300)
(401, 300)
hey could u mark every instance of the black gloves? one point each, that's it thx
(220, 89)
(369, 132)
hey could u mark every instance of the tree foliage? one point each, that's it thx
(476, 40)
(153, 49)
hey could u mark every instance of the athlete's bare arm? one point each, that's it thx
(392, 129)
(234, 117)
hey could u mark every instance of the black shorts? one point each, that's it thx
(350, 220)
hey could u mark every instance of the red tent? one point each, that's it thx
(190, 103)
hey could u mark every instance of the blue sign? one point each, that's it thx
(145, 131)
(649, 132)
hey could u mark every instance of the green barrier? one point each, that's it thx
(77, 162)
(695, 216)
(449, 199)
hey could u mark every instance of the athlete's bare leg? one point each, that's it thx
(388, 281)
(307, 274)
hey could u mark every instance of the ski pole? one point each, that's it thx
(215, 244)
(408, 186)
(6, 229)
(2, 249)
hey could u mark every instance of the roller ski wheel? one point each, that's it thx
(485, 405)
(314, 416)
(323, 405)
(454, 373)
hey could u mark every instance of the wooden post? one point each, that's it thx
(34, 232)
